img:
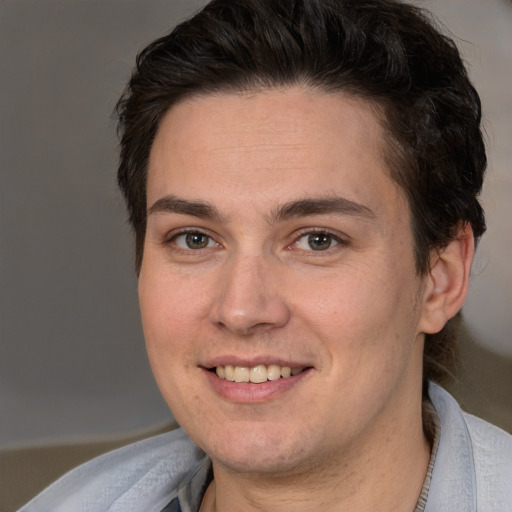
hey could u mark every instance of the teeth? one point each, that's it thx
(256, 374)
(286, 371)
(241, 374)
(230, 372)
(273, 372)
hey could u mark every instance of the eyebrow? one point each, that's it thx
(321, 206)
(172, 204)
(298, 208)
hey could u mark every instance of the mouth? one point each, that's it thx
(256, 374)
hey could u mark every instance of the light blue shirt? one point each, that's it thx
(472, 471)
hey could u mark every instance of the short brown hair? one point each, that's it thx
(385, 51)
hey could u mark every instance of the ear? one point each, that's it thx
(446, 284)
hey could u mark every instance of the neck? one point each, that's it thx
(384, 472)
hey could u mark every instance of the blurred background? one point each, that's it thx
(73, 369)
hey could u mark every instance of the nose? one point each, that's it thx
(249, 300)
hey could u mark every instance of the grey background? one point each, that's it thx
(72, 360)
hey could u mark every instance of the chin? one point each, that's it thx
(252, 462)
(251, 450)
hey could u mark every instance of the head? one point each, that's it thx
(384, 52)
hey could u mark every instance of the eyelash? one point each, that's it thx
(334, 237)
(171, 240)
(338, 241)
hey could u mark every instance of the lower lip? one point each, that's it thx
(248, 392)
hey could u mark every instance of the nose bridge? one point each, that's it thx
(248, 298)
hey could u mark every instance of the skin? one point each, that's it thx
(236, 170)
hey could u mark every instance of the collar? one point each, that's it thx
(453, 485)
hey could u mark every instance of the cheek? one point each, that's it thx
(364, 314)
(170, 318)
(356, 298)
(170, 303)
(170, 323)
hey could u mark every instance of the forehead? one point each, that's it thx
(272, 145)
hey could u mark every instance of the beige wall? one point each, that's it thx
(484, 32)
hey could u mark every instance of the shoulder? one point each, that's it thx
(473, 464)
(492, 456)
(140, 476)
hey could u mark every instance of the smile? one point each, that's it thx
(256, 374)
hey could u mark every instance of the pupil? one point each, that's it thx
(319, 242)
(196, 240)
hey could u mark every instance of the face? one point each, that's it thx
(277, 242)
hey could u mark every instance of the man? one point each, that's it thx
(302, 177)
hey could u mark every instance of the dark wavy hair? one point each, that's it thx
(385, 51)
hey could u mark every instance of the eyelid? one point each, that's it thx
(320, 230)
(171, 236)
(340, 238)
(175, 233)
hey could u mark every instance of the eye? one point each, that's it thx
(316, 242)
(194, 240)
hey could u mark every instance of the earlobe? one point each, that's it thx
(447, 281)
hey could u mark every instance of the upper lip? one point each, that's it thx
(253, 361)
